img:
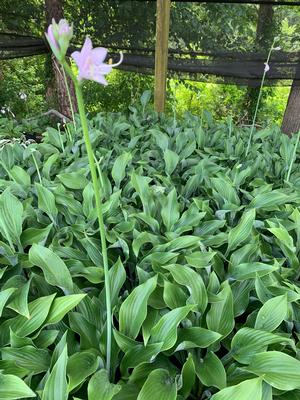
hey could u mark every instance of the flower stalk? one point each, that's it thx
(91, 66)
(95, 182)
(97, 191)
(266, 70)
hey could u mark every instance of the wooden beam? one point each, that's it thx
(161, 53)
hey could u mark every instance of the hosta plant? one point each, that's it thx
(203, 247)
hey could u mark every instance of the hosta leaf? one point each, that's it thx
(12, 387)
(223, 186)
(38, 310)
(165, 330)
(35, 235)
(193, 281)
(170, 210)
(188, 377)
(80, 366)
(56, 386)
(139, 354)
(141, 239)
(46, 201)
(140, 184)
(100, 388)
(283, 236)
(248, 341)
(242, 231)
(89, 336)
(212, 372)
(220, 317)
(18, 341)
(152, 315)
(277, 369)
(11, 368)
(20, 175)
(267, 392)
(59, 349)
(145, 98)
(171, 160)
(88, 203)
(32, 359)
(11, 212)
(55, 271)
(173, 295)
(61, 306)
(189, 338)
(182, 242)
(127, 392)
(162, 140)
(133, 310)
(190, 218)
(48, 164)
(200, 259)
(118, 170)
(4, 296)
(159, 385)
(124, 342)
(251, 270)
(46, 338)
(270, 199)
(73, 180)
(159, 258)
(117, 277)
(19, 302)
(248, 390)
(244, 254)
(241, 295)
(92, 274)
(272, 313)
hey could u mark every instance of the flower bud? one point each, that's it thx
(59, 36)
(267, 67)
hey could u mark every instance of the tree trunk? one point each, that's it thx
(265, 33)
(291, 118)
(56, 92)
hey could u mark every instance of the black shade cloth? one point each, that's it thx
(211, 41)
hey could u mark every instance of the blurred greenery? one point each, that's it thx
(125, 88)
(210, 28)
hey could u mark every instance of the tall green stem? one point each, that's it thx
(258, 100)
(96, 185)
(95, 182)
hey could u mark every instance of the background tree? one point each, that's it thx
(291, 118)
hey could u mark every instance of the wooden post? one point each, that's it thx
(161, 53)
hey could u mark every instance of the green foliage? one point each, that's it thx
(23, 76)
(203, 249)
(210, 27)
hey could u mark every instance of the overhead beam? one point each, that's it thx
(161, 53)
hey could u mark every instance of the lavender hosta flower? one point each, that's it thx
(59, 36)
(267, 67)
(23, 96)
(90, 63)
(6, 110)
